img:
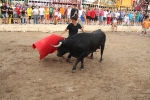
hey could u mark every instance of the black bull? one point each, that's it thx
(81, 45)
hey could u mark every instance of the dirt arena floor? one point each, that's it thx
(124, 73)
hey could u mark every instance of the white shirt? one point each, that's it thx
(69, 11)
(105, 13)
(126, 18)
(80, 13)
(41, 11)
(114, 21)
(117, 14)
(59, 15)
(35, 11)
(56, 13)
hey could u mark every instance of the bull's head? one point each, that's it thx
(61, 48)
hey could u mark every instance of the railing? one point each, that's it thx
(67, 1)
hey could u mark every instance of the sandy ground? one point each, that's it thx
(124, 73)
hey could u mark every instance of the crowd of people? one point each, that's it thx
(61, 14)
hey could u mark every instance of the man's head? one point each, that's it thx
(74, 19)
(36, 7)
(29, 6)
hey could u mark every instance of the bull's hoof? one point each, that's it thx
(73, 71)
(82, 69)
(100, 60)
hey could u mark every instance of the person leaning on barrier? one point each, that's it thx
(114, 24)
(4, 12)
(10, 14)
(29, 13)
(35, 14)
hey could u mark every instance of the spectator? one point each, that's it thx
(41, 12)
(59, 17)
(105, 16)
(55, 16)
(141, 18)
(62, 11)
(4, 12)
(112, 15)
(130, 15)
(35, 14)
(120, 18)
(17, 11)
(88, 14)
(74, 11)
(108, 18)
(96, 15)
(23, 16)
(137, 18)
(79, 15)
(145, 26)
(46, 12)
(101, 16)
(33, 6)
(51, 9)
(68, 14)
(114, 24)
(29, 13)
(83, 17)
(10, 13)
(92, 15)
(126, 19)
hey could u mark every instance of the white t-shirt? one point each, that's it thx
(69, 11)
(56, 13)
(41, 11)
(114, 21)
(117, 14)
(105, 13)
(35, 11)
(59, 15)
(80, 13)
(126, 18)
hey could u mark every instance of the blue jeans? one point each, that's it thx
(35, 19)
(23, 20)
(3, 15)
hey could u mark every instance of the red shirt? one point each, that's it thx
(101, 13)
(93, 14)
(88, 13)
(17, 10)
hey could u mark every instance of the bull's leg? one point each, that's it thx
(82, 56)
(74, 67)
(82, 66)
(102, 49)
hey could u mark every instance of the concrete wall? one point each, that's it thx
(53, 28)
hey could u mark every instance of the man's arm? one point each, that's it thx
(3, 9)
(63, 32)
(82, 29)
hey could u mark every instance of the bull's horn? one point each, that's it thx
(56, 46)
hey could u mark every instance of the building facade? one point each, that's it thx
(118, 4)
